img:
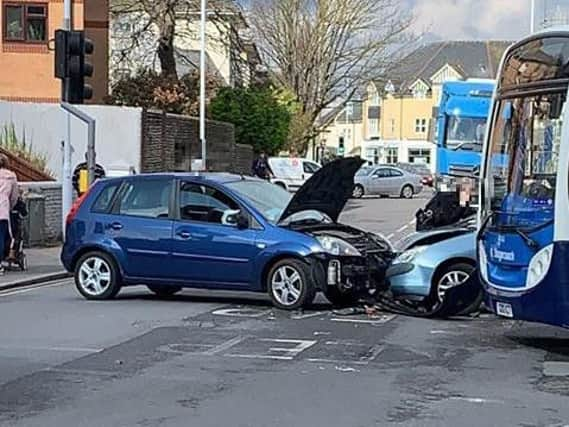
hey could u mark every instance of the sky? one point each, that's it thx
(478, 19)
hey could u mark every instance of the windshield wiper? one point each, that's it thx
(532, 244)
(462, 144)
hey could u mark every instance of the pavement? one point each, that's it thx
(43, 266)
(205, 358)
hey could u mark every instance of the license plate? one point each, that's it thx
(504, 309)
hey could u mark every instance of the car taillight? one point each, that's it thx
(75, 208)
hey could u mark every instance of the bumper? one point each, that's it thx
(354, 274)
(548, 302)
(409, 279)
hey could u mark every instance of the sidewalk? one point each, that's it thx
(43, 266)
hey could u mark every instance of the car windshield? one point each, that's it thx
(465, 133)
(523, 157)
(269, 199)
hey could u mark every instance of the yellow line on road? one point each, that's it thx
(32, 288)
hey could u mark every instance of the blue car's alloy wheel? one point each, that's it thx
(288, 284)
(96, 276)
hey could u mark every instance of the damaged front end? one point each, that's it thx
(353, 263)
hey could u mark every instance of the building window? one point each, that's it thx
(420, 125)
(24, 22)
(373, 127)
(392, 123)
(420, 155)
(392, 156)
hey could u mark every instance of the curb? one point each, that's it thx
(37, 280)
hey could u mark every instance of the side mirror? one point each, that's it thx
(235, 218)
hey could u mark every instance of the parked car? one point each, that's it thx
(432, 262)
(419, 169)
(386, 181)
(292, 172)
(222, 231)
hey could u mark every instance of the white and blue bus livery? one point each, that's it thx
(523, 239)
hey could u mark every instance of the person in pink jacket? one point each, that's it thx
(8, 198)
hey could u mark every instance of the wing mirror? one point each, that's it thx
(235, 218)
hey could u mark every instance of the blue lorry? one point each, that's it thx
(460, 127)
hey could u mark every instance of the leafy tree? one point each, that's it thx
(261, 117)
(148, 89)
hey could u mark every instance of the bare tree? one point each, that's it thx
(152, 27)
(323, 50)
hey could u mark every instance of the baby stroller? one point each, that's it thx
(15, 255)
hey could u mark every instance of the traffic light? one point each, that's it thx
(71, 47)
(341, 147)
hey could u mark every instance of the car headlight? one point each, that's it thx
(539, 266)
(409, 256)
(335, 246)
(483, 261)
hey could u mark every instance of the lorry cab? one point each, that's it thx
(461, 126)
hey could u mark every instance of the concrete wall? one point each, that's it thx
(118, 133)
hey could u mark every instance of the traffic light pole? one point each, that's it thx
(66, 179)
(90, 121)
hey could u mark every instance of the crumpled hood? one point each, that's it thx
(327, 191)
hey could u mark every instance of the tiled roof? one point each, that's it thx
(473, 59)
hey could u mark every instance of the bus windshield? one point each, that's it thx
(465, 133)
(522, 160)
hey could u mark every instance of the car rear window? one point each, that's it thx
(105, 198)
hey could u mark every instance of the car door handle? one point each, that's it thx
(184, 235)
(115, 226)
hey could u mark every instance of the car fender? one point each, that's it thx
(276, 252)
(105, 245)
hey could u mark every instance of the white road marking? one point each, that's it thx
(382, 320)
(224, 346)
(306, 316)
(336, 361)
(402, 229)
(240, 312)
(47, 348)
(287, 353)
(32, 288)
(390, 236)
(259, 356)
(476, 399)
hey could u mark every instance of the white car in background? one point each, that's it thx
(292, 172)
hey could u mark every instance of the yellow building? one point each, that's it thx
(398, 114)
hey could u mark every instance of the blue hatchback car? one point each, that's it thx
(222, 231)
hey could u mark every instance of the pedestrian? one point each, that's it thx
(8, 198)
(261, 167)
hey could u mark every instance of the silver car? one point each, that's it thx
(386, 181)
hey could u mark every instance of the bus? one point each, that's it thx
(523, 224)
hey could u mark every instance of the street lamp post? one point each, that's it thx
(203, 81)
(532, 17)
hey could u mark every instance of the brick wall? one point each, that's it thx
(170, 142)
(51, 193)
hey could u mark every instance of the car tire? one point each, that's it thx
(457, 272)
(340, 299)
(97, 276)
(164, 291)
(289, 284)
(358, 192)
(407, 192)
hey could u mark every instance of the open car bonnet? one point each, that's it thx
(327, 191)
